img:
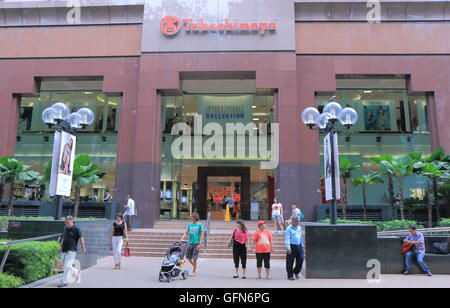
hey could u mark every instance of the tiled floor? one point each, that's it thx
(217, 273)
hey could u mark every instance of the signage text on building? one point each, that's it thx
(171, 25)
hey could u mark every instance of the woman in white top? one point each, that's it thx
(277, 215)
(296, 212)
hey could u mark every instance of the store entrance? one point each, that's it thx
(215, 183)
(223, 191)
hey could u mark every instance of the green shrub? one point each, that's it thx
(393, 225)
(10, 282)
(348, 221)
(445, 222)
(31, 261)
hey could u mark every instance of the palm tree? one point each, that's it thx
(403, 167)
(430, 171)
(434, 167)
(395, 169)
(386, 168)
(84, 173)
(346, 167)
(13, 171)
(363, 181)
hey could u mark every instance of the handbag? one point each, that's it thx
(59, 265)
(230, 242)
(406, 247)
(126, 251)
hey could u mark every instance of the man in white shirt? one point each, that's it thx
(130, 212)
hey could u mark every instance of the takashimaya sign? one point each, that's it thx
(171, 25)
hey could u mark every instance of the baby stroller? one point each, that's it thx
(172, 263)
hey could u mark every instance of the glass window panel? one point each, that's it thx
(389, 123)
(35, 139)
(181, 174)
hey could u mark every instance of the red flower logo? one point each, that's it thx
(170, 25)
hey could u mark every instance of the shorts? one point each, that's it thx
(260, 257)
(276, 216)
(192, 252)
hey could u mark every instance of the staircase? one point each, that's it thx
(155, 242)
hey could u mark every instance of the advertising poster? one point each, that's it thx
(55, 160)
(62, 164)
(327, 166)
(377, 117)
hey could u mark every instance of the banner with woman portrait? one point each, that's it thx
(62, 164)
(328, 157)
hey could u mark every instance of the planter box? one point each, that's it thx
(393, 262)
(339, 251)
(95, 232)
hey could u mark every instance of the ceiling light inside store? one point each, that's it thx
(354, 96)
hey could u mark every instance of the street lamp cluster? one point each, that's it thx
(59, 112)
(59, 116)
(332, 113)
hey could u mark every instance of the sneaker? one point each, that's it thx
(406, 273)
(62, 285)
(237, 276)
(291, 278)
(297, 277)
(243, 277)
(429, 274)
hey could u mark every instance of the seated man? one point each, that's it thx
(418, 250)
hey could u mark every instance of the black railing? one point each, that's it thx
(207, 226)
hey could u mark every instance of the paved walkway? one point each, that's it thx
(217, 273)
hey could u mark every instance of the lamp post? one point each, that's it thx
(325, 122)
(58, 116)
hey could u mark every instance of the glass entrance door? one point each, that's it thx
(223, 191)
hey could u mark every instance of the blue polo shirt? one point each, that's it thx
(294, 236)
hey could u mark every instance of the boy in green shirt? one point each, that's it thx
(195, 232)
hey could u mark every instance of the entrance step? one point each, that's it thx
(215, 225)
(155, 242)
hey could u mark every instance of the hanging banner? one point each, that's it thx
(327, 164)
(55, 160)
(225, 109)
(62, 164)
